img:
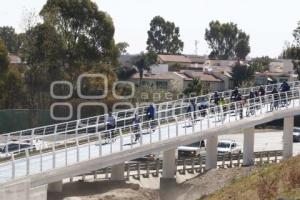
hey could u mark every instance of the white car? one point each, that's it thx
(228, 146)
(191, 150)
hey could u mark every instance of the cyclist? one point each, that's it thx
(234, 93)
(136, 127)
(151, 116)
(284, 88)
(111, 124)
(216, 98)
(192, 110)
(251, 100)
(239, 100)
(262, 91)
(275, 94)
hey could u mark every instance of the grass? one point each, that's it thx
(274, 181)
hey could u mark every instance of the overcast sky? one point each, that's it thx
(269, 22)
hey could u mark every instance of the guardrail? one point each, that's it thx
(123, 118)
(184, 165)
(95, 145)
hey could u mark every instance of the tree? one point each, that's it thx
(164, 37)
(87, 32)
(296, 34)
(44, 47)
(242, 48)
(122, 47)
(293, 52)
(227, 41)
(11, 90)
(4, 61)
(242, 74)
(10, 38)
(143, 62)
(260, 64)
(194, 87)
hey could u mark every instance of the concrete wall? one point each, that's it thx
(21, 190)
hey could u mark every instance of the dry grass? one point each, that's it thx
(267, 183)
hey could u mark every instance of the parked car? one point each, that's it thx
(228, 146)
(191, 150)
(296, 134)
(149, 157)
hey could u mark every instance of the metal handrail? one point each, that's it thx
(54, 126)
(181, 119)
(182, 105)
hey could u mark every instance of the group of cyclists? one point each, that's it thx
(217, 100)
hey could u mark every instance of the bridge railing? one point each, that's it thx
(36, 137)
(126, 114)
(185, 164)
(250, 107)
(99, 144)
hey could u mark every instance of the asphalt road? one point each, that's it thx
(264, 141)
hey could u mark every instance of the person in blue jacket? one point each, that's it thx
(151, 112)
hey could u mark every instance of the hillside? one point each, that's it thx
(274, 181)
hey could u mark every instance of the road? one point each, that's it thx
(264, 141)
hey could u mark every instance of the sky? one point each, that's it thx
(269, 23)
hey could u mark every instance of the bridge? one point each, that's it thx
(78, 147)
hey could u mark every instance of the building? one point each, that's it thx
(166, 81)
(179, 62)
(211, 80)
(282, 66)
(273, 77)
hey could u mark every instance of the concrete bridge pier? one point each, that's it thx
(248, 150)
(55, 187)
(117, 172)
(211, 152)
(168, 180)
(288, 127)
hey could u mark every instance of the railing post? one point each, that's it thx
(77, 149)
(141, 134)
(193, 165)
(27, 162)
(89, 147)
(121, 139)
(41, 160)
(53, 157)
(235, 108)
(13, 166)
(100, 144)
(176, 121)
(159, 130)
(147, 169)
(66, 154)
(128, 171)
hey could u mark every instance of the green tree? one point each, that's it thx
(143, 62)
(194, 87)
(293, 53)
(87, 33)
(242, 74)
(260, 64)
(44, 47)
(164, 37)
(296, 34)
(122, 47)
(12, 90)
(10, 38)
(227, 41)
(4, 61)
